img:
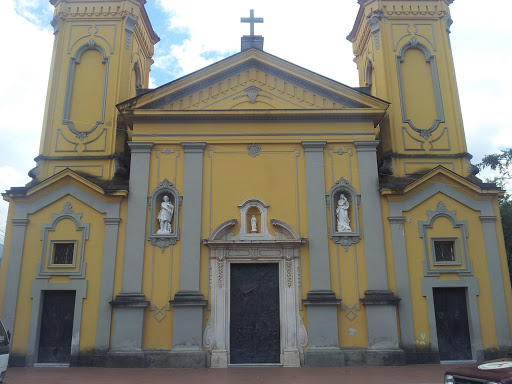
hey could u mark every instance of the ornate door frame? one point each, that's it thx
(248, 248)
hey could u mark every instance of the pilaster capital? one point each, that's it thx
(314, 146)
(112, 220)
(488, 219)
(193, 146)
(19, 222)
(366, 146)
(397, 221)
(140, 147)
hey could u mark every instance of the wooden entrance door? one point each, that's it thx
(56, 327)
(452, 324)
(254, 314)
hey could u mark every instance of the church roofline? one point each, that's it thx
(150, 94)
(102, 187)
(390, 185)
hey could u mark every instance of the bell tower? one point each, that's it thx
(101, 56)
(403, 54)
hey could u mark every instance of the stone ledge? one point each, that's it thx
(379, 297)
(321, 297)
(324, 357)
(188, 299)
(134, 300)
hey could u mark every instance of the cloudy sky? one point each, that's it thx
(197, 33)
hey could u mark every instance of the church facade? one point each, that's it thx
(253, 212)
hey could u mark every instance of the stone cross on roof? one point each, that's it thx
(251, 20)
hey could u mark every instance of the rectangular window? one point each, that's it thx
(444, 251)
(63, 253)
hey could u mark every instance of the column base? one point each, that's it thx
(324, 357)
(187, 358)
(291, 358)
(385, 357)
(123, 358)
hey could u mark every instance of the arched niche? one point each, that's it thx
(70, 99)
(345, 238)
(157, 236)
(249, 208)
(263, 247)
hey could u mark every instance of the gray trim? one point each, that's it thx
(471, 285)
(317, 219)
(136, 217)
(188, 301)
(445, 130)
(322, 323)
(433, 42)
(381, 319)
(395, 43)
(56, 267)
(373, 235)
(18, 239)
(36, 293)
(191, 221)
(403, 287)
(258, 65)
(73, 61)
(103, 325)
(456, 251)
(89, 27)
(319, 134)
(406, 148)
(46, 253)
(431, 59)
(423, 225)
(19, 227)
(496, 281)
(129, 304)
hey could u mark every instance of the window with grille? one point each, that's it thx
(444, 251)
(63, 253)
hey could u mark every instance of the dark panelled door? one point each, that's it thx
(452, 324)
(254, 314)
(56, 327)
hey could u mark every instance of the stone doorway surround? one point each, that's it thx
(250, 247)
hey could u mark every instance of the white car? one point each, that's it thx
(4, 351)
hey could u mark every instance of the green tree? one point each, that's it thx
(501, 162)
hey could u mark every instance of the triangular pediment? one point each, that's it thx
(253, 80)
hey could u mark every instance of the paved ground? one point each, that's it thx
(410, 374)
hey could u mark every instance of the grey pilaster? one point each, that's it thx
(188, 302)
(379, 301)
(191, 221)
(376, 269)
(321, 301)
(107, 284)
(496, 281)
(402, 283)
(129, 305)
(317, 218)
(19, 227)
(136, 217)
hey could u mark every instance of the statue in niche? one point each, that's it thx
(254, 228)
(165, 217)
(342, 215)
